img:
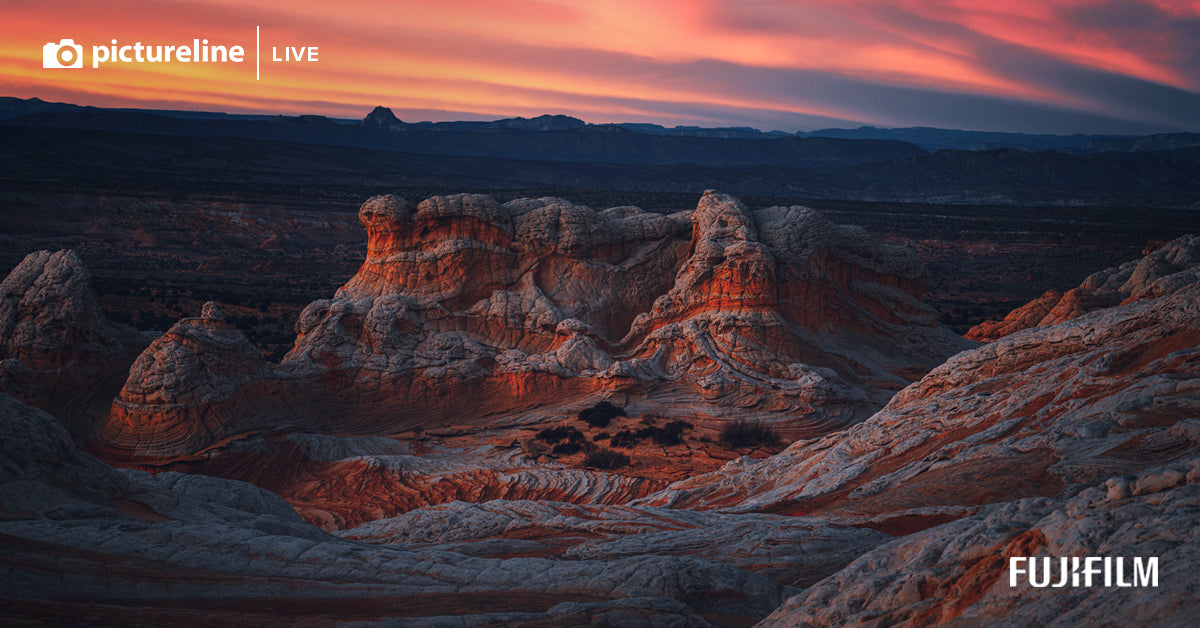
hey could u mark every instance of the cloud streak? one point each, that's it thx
(1043, 66)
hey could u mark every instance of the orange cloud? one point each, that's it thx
(611, 57)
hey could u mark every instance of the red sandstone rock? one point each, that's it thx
(199, 382)
(1027, 415)
(1047, 414)
(81, 542)
(467, 308)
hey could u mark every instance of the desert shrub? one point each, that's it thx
(559, 433)
(601, 436)
(534, 448)
(601, 414)
(671, 434)
(748, 434)
(678, 426)
(625, 438)
(605, 459)
(567, 448)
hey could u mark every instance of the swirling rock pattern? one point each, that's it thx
(468, 308)
(957, 574)
(1036, 411)
(81, 541)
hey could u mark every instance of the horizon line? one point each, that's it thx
(486, 118)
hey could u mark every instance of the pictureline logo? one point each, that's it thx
(67, 54)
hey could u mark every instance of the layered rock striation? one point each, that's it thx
(794, 551)
(82, 541)
(200, 381)
(1077, 438)
(958, 573)
(1031, 414)
(466, 308)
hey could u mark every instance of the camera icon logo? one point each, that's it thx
(65, 54)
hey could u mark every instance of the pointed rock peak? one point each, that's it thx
(212, 312)
(382, 116)
(723, 217)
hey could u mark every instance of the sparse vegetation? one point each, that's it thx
(626, 439)
(560, 433)
(671, 434)
(601, 414)
(741, 434)
(605, 459)
(567, 448)
(534, 448)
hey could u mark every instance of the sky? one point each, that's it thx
(1041, 66)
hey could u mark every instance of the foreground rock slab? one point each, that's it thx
(957, 574)
(83, 539)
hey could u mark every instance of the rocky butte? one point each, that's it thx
(389, 481)
(466, 310)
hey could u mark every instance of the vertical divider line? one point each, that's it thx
(257, 54)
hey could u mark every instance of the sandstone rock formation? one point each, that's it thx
(957, 574)
(1175, 265)
(338, 482)
(465, 309)
(1028, 415)
(200, 381)
(469, 317)
(57, 351)
(81, 539)
(794, 551)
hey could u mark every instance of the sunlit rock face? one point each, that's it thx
(57, 351)
(198, 382)
(1077, 438)
(468, 308)
(1028, 415)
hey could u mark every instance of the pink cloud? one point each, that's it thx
(489, 57)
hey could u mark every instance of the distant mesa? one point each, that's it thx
(382, 117)
(537, 124)
(543, 123)
(553, 138)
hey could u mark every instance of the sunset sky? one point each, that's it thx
(1051, 66)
